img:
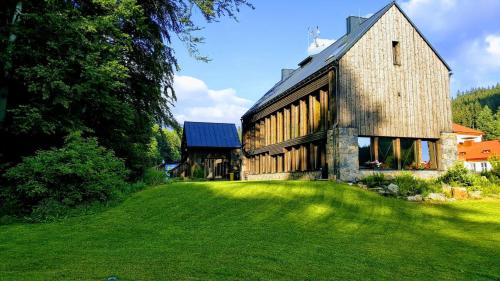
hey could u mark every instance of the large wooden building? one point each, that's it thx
(375, 100)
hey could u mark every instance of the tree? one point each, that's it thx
(101, 67)
(165, 146)
(486, 122)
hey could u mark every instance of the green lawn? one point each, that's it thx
(261, 231)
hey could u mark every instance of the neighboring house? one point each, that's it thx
(476, 154)
(467, 134)
(209, 150)
(376, 99)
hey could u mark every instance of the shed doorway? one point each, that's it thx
(215, 168)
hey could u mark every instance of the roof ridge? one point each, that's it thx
(203, 122)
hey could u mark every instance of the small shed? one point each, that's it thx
(209, 150)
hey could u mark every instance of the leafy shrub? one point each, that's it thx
(154, 176)
(495, 165)
(457, 175)
(487, 182)
(198, 172)
(410, 185)
(78, 173)
(375, 180)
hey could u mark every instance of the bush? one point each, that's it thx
(495, 165)
(198, 172)
(410, 185)
(457, 175)
(407, 184)
(76, 174)
(154, 176)
(375, 180)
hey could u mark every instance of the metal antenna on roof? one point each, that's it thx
(313, 35)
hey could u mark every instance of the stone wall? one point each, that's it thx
(330, 150)
(312, 175)
(449, 150)
(346, 154)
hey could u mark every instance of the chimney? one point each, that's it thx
(285, 73)
(353, 23)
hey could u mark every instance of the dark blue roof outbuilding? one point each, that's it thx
(203, 134)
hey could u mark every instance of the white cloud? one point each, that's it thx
(478, 64)
(493, 46)
(319, 45)
(435, 14)
(197, 102)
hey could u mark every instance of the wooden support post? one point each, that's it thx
(331, 96)
(397, 151)
(375, 148)
(418, 152)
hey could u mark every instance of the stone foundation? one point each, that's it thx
(449, 150)
(330, 144)
(313, 175)
(345, 149)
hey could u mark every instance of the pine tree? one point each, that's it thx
(486, 123)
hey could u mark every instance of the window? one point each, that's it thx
(484, 166)
(396, 153)
(366, 157)
(408, 154)
(396, 53)
(428, 160)
(386, 153)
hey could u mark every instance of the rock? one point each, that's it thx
(459, 193)
(477, 194)
(436, 197)
(392, 188)
(363, 186)
(416, 198)
(376, 189)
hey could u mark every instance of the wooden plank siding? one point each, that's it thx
(290, 138)
(380, 98)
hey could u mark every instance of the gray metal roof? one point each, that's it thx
(327, 57)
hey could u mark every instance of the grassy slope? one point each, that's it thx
(261, 231)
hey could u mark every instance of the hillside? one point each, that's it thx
(479, 109)
(261, 231)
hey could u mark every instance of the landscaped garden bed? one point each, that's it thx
(456, 184)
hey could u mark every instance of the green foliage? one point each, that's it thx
(375, 180)
(102, 67)
(79, 173)
(154, 176)
(478, 108)
(457, 175)
(495, 164)
(410, 185)
(165, 146)
(197, 172)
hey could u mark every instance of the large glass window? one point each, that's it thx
(366, 157)
(386, 153)
(396, 153)
(429, 155)
(408, 154)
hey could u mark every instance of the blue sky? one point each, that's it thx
(248, 55)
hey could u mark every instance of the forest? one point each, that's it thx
(478, 108)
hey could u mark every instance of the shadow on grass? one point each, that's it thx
(263, 230)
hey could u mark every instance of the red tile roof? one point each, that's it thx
(459, 129)
(477, 151)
